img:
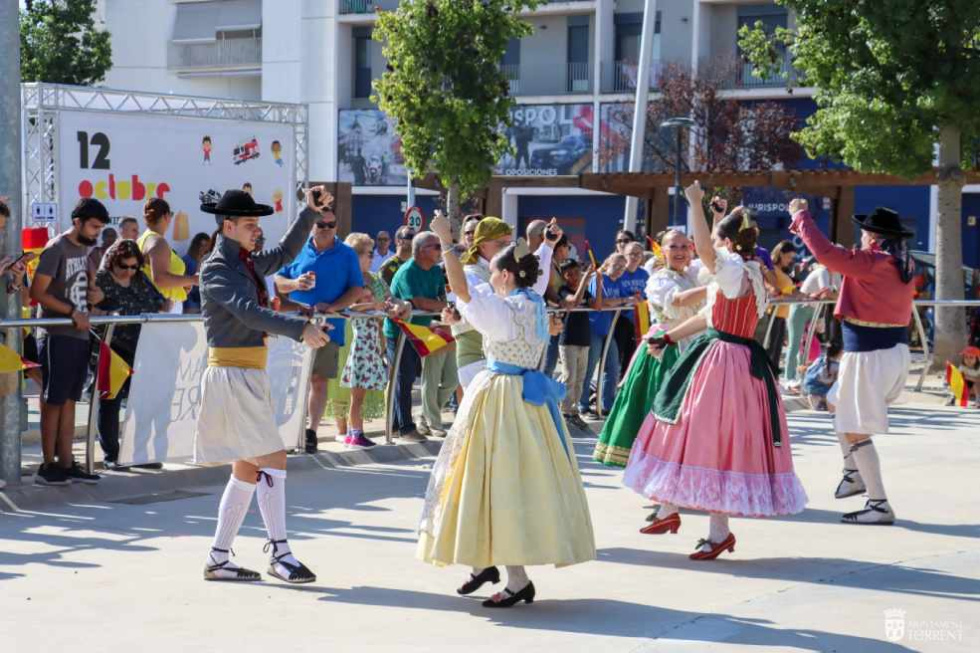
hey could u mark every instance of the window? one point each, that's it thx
(629, 31)
(362, 62)
(512, 57)
(771, 17)
(578, 55)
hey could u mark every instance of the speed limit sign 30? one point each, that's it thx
(415, 219)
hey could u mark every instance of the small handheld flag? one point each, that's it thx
(113, 372)
(957, 384)
(11, 361)
(655, 248)
(588, 249)
(641, 318)
(424, 339)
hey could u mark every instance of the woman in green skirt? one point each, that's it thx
(674, 296)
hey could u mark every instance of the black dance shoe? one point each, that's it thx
(507, 598)
(488, 575)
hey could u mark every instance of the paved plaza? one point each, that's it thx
(125, 575)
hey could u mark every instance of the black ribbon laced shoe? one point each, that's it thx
(851, 485)
(228, 571)
(876, 511)
(297, 573)
(507, 599)
(488, 575)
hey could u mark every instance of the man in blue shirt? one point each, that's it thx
(633, 283)
(326, 276)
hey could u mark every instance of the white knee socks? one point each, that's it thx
(866, 458)
(516, 579)
(271, 496)
(231, 513)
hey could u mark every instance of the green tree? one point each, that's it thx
(895, 87)
(59, 43)
(444, 87)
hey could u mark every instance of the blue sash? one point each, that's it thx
(539, 390)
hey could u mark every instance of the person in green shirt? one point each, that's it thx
(422, 282)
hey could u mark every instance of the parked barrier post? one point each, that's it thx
(93, 409)
(392, 384)
(927, 363)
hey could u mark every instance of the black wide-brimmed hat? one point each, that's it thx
(883, 221)
(234, 204)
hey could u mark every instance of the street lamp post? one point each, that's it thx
(678, 124)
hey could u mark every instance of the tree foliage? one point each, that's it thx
(887, 74)
(729, 134)
(59, 43)
(444, 87)
(895, 88)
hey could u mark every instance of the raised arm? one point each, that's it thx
(850, 262)
(454, 269)
(318, 203)
(702, 231)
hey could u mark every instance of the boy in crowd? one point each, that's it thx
(573, 346)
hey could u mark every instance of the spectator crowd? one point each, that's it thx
(388, 281)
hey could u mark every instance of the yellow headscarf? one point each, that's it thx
(487, 229)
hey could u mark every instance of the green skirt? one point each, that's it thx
(633, 402)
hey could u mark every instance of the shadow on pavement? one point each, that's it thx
(882, 577)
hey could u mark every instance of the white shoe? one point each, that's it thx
(851, 485)
(876, 511)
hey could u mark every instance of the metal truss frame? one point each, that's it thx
(41, 104)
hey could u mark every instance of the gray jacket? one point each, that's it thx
(230, 297)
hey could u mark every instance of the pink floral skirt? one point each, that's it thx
(719, 455)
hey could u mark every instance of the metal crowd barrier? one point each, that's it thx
(112, 321)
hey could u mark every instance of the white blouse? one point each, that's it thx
(664, 286)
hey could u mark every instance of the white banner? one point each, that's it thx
(124, 159)
(165, 392)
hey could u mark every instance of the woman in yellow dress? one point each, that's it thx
(163, 266)
(505, 489)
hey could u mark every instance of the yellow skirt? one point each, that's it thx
(504, 489)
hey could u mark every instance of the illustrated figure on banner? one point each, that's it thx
(206, 150)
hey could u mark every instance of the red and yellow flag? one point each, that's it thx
(588, 250)
(113, 372)
(655, 248)
(641, 318)
(11, 361)
(957, 384)
(425, 340)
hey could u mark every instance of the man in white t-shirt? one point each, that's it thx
(381, 251)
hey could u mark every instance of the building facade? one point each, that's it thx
(573, 80)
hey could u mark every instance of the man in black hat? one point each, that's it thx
(874, 307)
(61, 286)
(236, 423)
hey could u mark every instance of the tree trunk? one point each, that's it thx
(452, 208)
(950, 336)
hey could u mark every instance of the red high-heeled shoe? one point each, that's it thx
(715, 550)
(660, 526)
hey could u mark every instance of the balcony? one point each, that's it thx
(220, 54)
(621, 76)
(366, 6)
(576, 80)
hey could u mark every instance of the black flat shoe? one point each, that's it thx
(488, 575)
(507, 598)
(296, 574)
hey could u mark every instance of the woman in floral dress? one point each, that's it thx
(365, 372)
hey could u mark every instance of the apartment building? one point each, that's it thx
(573, 80)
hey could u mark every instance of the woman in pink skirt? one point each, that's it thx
(716, 439)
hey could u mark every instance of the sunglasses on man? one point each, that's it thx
(326, 225)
